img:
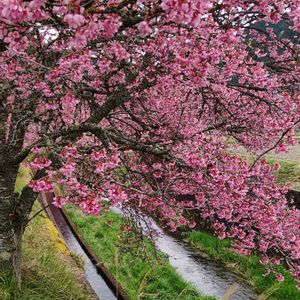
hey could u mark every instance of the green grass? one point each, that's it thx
(23, 178)
(247, 266)
(48, 271)
(143, 272)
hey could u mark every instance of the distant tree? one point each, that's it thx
(138, 102)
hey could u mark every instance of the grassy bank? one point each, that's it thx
(247, 266)
(141, 270)
(48, 271)
(289, 174)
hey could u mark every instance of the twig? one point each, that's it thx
(37, 213)
(274, 146)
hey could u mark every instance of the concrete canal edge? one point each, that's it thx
(106, 274)
(61, 245)
(110, 280)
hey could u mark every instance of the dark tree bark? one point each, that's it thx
(14, 208)
(8, 229)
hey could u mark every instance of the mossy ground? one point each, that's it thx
(143, 272)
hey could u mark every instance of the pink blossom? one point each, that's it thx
(192, 224)
(68, 169)
(100, 168)
(182, 221)
(264, 260)
(74, 20)
(90, 205)
(144, 28)
(40, 163)
(111, 25)
(82, 189)
(279, 277)
(59, 201)
(97, 155)
(13, 10)
(41, 185)
(70, 151)
(172, 226)
(276, 261)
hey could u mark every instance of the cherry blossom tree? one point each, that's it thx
(139, 103)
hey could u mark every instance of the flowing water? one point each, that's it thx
(208, 276)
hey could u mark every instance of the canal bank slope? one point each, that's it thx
(247, 267)
(49, 270)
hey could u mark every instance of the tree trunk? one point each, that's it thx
(14, 209)
(17, 255)
(11, 226)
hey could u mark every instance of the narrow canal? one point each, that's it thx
(95, 280)
(208, 276)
